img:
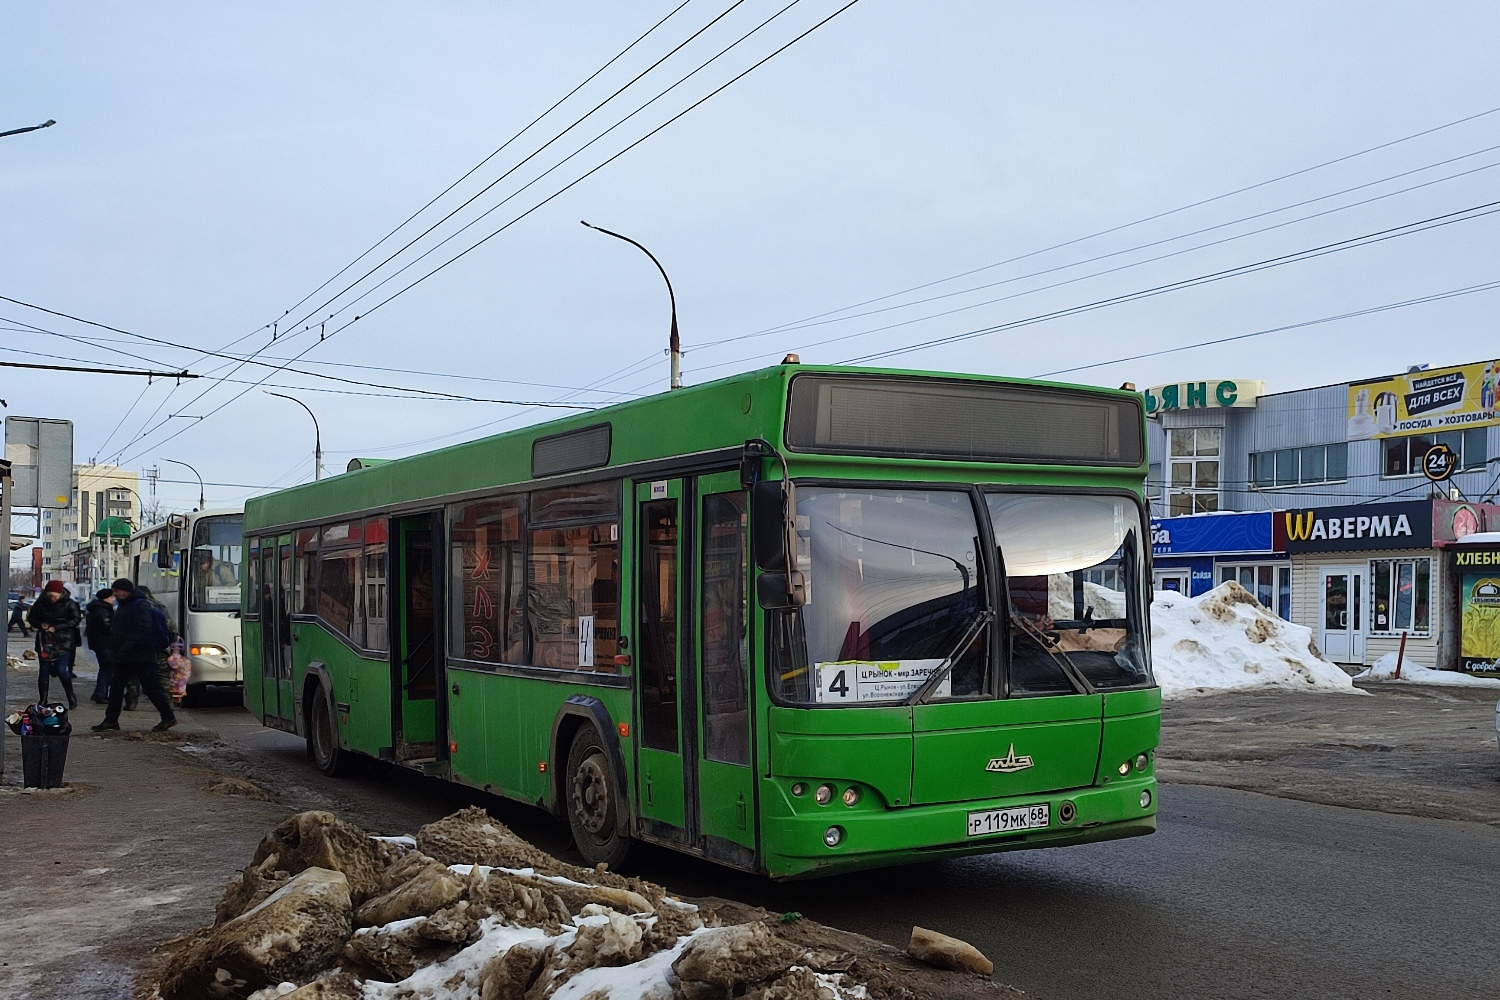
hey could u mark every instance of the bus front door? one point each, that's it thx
(725, 793)
(695, 782)
(418, 724)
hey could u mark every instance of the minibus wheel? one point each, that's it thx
(593, 802)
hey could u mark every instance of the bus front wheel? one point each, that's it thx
(593, 801)
(323, 740)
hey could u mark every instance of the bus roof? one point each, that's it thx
(696, 420)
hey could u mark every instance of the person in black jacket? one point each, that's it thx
(55, 618)
(98, 614)
(136, 640)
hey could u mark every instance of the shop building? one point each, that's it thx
(1364, 537)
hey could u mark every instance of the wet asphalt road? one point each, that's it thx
(1237, 895)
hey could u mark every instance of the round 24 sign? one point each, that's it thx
(1439, 463)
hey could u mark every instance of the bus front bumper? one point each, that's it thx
(794, 845)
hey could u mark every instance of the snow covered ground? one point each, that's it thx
(1384, 669)
(1225, 641)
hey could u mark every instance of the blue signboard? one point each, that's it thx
(1211, 533)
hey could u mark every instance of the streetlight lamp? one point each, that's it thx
(317, 434)
(674, 343)
(201, 504)
(29, 128)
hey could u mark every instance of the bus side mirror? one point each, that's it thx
(773, 505)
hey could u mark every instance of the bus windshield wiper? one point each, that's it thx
(982, 619)
(1063, 661)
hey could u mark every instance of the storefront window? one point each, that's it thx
(1270, 584)
(1403, 595)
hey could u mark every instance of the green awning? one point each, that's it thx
(113, 527)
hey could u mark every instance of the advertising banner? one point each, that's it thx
(1218, 533)
(1481, 613)
(1430, 400)
(1349, 528)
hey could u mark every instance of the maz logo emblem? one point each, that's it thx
(1010, 763)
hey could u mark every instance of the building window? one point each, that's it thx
(1271, 583)
(1153, 482)
(1403, 455)
(1403, 595)
(1193, 470)
(1319, 463)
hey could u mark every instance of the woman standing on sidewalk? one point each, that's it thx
(55, 618)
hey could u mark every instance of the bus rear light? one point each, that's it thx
(833, 836)
(823, 795)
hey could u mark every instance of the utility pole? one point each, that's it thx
(4, 580)
(674, 344)
(201, 504)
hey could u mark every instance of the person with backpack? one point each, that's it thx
(55, 618)
(139, 636)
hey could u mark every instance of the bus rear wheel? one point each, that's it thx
(323, 740)
(592, 801)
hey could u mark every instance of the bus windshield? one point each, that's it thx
(1073, 569)
(896, 592)
(895, 586)
(214, 564)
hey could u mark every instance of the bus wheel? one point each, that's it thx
(323, 740)
(593, 801)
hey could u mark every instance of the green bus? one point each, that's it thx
(799, 621)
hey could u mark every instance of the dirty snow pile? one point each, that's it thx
(1384, 669)
(1225, 640)
(469, 910)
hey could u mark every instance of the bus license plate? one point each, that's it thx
(1005, 820)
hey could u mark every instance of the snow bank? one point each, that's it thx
(1225, 641)
(1384, 669)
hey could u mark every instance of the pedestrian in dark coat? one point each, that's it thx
(98, 616)
(18, 619)
(55, 618)
(137, 641)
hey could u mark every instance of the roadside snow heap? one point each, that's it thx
(1225, 640)
(469, 910)
(1412, 672)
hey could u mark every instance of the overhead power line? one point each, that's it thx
(1149, 218)
(735, 79)
(96, 371)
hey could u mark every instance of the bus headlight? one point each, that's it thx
(833, 836)
(799, 789)
(823, 795)
(1124, 769)
(1146, 798)
(1140, 762)
(851, 795)
(208, 649)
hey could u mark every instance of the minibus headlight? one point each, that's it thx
(833, 836)
(823, 795)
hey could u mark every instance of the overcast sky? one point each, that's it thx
(214, 164)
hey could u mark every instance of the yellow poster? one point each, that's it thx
(1481, 618)
(1431, 400)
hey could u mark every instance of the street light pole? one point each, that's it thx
(674, 343)
(201, 504)
(29, 128)
(317, 434)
